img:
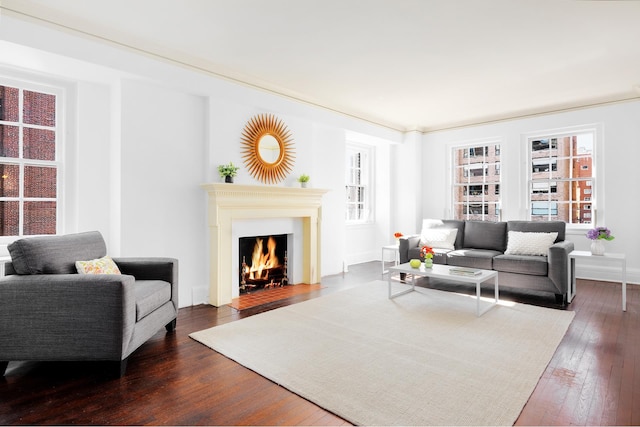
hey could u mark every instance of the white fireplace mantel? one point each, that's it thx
(229, 202)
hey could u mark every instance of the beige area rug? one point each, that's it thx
(423, 358)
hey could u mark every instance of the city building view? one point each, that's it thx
(28, 168)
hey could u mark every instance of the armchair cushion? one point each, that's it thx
(151, 295)
(55, 254)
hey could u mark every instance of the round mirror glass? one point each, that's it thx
(269, 149)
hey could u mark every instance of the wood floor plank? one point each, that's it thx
(592, 379)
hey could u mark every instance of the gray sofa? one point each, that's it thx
(480, 244)
(52, 313)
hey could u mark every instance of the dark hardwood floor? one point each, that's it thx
(593, 379)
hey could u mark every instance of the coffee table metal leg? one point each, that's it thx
(496, 296)
(406, 291)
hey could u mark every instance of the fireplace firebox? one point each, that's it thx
(263, 262)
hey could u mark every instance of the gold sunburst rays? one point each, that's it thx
(268, 150)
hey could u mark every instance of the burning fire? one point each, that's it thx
(261, 262)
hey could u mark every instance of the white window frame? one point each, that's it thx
(59, 129)
(597, 180)
(497, 147)
(367, 153)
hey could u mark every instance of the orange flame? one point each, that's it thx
(261, 262)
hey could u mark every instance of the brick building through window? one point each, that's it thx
(28, 161)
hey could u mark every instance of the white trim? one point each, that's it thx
(49, 86)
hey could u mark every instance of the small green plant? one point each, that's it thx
(303, 178)
(228, 170)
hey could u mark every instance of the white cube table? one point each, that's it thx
(607, 257)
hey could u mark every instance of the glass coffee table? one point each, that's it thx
(447, 272)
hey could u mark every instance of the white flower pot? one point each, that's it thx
(597, 247)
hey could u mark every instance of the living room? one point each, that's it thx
(144, 133)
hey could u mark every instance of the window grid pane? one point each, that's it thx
(476, 188)
(28, 168)
(357, 188)
(9, 110)
(561, 177)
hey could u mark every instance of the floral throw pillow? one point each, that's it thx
(104, 265)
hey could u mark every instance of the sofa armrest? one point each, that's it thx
(406, 243)
(66, 316)
(558, 264)
(152, 268)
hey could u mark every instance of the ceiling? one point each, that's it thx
(404, 64)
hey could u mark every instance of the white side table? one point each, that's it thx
(395, 250)
(607, 257)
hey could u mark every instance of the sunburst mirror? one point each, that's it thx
(268, 150)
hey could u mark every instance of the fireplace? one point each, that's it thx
(263, 262)
(231, 204)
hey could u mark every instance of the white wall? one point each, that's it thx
(147, 133)
(617, 174)
(163, 149)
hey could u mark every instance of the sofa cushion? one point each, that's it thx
(441, 238)
(55, 254)
(524, 243)
(474, 258)
(522, 264)
(485, 235)
(151, 295)
(539, 227)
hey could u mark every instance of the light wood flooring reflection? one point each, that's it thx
(593, 378)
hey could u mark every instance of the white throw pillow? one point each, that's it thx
(431, 223)
(522, 243)
(439, 238)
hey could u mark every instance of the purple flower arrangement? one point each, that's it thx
(599, 233)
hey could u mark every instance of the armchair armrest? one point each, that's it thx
(66, 316)
(149, 268)
(406, 243)
(558, 264)
(152, 268)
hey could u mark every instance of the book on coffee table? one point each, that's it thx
(464, 271)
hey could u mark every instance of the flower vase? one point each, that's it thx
(428, 263)
(597, 247)
(228, 179)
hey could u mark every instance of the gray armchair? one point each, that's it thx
(52, 313)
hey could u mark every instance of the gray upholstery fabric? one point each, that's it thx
(485, 235)
(473, 258)
(81, 317)
(66, 316)
(559, 264)
(151, 295)
(152, 268)
(539, 227)
(523, 264)
(55, 254)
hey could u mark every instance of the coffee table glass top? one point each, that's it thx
(445, 271)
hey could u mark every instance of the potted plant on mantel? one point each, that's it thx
(228, 171)
(303, 180)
